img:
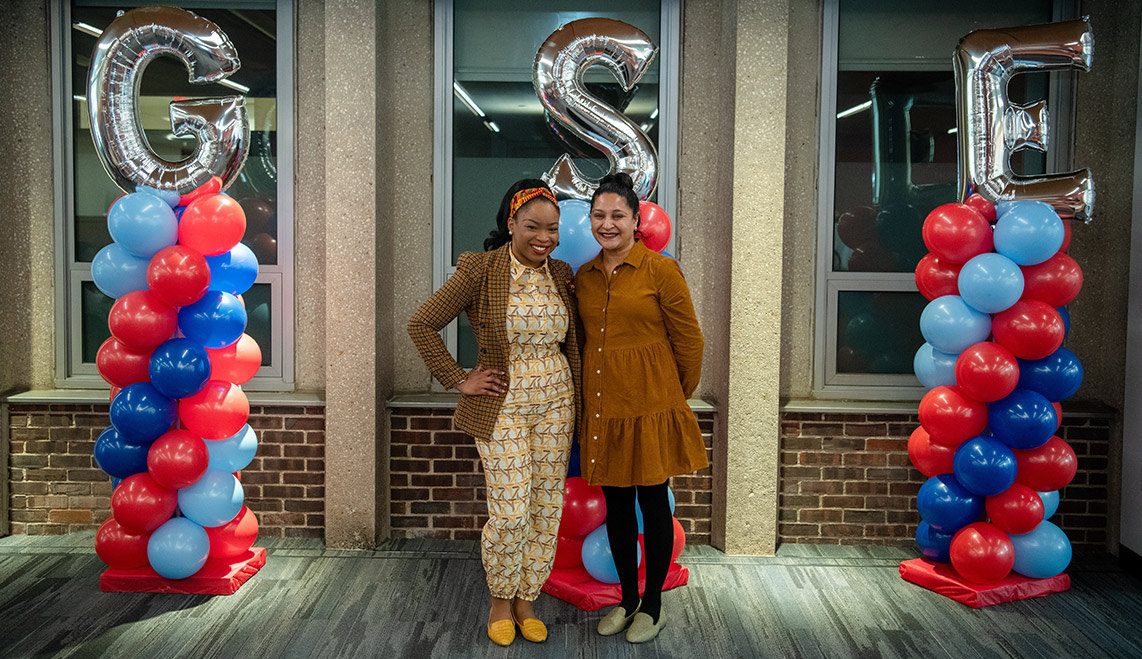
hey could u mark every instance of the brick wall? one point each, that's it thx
(847, 479)
(56, 487)
(437, 480)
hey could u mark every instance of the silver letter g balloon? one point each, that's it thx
(558, 79)
(220, 124)
(990, 129)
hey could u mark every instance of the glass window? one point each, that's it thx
(499, 131)
(889, 145)
(264, 193)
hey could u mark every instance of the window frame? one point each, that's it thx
(669, 64)
(827, 383)
(70, 371)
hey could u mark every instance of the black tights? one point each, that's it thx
(658, 537)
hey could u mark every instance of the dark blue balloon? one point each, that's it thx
(215, 321)
(179, 368)
(984, 466)
(1066, 316)
(1057, 376)
(1025, 419)
(934, 546)
(573, 467)
(141, 414)
(117, 457)
(946, 505)
(233, 272)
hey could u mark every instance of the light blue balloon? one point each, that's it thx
(597, 556)
(990, 282)
(233, 272)
(1042, 553)
(214, 500)
(666, 253)
(1029, 232)
(950, 325)
(638, 508)
(178, 548)
(117, 272)
(1050, 503)
(233, 453)
(577, 244)
(934, 368)
(169, 197)
(142, 223)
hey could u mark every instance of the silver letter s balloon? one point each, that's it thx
(220, 124)
(990, 128)
(558, 79)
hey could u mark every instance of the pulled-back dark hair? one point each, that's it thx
(620, 183)
(500, 235)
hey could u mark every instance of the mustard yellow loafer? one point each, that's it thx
(502, 632)
(532, 629)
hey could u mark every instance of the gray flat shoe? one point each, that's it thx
(616, 621)
(644, 628)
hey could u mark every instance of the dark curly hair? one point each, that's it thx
(500, 235)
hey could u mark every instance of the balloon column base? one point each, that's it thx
(576, 586)
(942, 579)
(220, 576)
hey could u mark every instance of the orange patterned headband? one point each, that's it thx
(526, 195)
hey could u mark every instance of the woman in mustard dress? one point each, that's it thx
(520, 402)
(641, 362)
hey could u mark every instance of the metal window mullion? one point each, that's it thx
(444, 18)
(668, 94)
(824, 357)
(284, 292)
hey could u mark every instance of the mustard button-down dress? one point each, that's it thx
(642, 360)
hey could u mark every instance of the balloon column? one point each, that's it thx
(583, 532)
(996, 371)
(178, 354)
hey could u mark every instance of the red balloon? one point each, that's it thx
(141, 320)
(1030, 329)
(141, 504)
(950, 417)
(936, 278)
(987, 371)
(178, 275)
(235, 537)
(237, 362)
(121, 365)
(568, 551)
(982, 553)
(929, 457)
(212, 224)
(213, 186)
(584, 508)
(120, 548)
(114, 392)
(1058, 414)
(1018, 509)
(985, 208)
(177, 459)
(679, 540)
(955, 233)
(654, 224)
(1050, 467)
(1066, 235)
(217, 412)
(1055, 281)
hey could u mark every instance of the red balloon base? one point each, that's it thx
(220, 576)
(942, 579)
(575, 585)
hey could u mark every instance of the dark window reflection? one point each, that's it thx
(878, 332)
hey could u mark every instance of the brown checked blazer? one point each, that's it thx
(479, 288)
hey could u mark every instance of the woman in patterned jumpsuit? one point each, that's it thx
(520, 401)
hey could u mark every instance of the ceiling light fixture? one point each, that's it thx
(854, 109)
(463, 94)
